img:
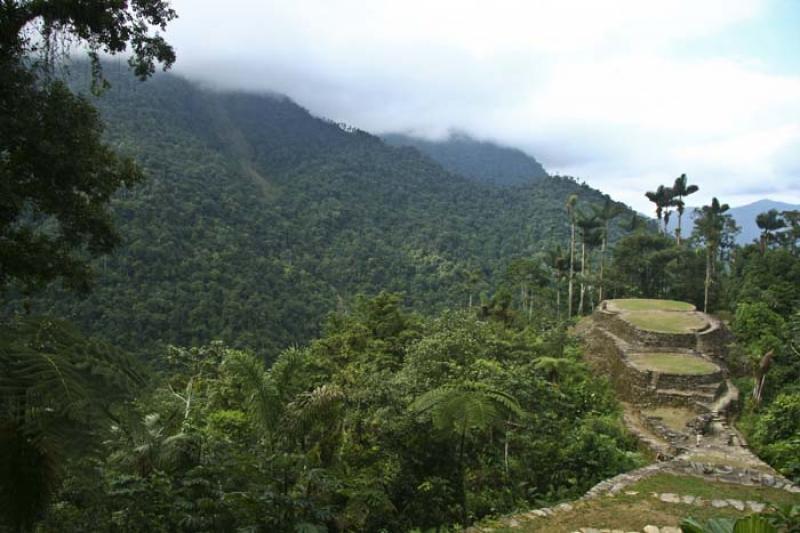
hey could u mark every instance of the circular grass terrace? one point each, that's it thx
(643, 304)
(667, 321)
(672, 363)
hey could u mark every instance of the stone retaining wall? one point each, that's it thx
(687, 381)
(714, 340)
(620, 327)
(631, 384)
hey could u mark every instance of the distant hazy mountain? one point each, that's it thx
(745, 216)
(478, 160)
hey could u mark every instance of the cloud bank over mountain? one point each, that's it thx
(624, 97)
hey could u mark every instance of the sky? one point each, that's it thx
(624, 94)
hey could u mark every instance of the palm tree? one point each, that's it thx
(769, 223)
(606, 214)
(572, 202)
(662, 197)
(458, 408)
(679, 191)
(589, 224)
(711, 221)
(558, 264)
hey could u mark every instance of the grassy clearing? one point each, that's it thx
(666, 321)
(672, 363)
(642, 304)
(633, 512)
(674, 418)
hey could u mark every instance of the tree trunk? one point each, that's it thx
(571, 271)
(678, 230)
(558, 301)
(708, 279)
(583, 278)
(602, 264)
(464, 514)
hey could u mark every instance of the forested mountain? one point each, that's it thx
(745, 217)
(478, 160)
(258, 218)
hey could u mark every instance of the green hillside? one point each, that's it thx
(478, 160)
(258, 219)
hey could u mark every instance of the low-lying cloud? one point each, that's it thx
(625, 95)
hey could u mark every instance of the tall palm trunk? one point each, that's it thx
(708, 278)
(571, 270)
(602, 264)
(558, 299)
(678, 230)
(583, 277)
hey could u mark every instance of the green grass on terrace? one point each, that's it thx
(666, 321)
(672, 363)
(641, 304)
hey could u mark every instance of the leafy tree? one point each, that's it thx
(606, 213)
(570, 206)
(56, 174)
(760, 330)
(769, 223)
(457, 409)
(590, 231)
(792, 235)
(58, 390)
(558, 263)
(680, 190)
(710, 226)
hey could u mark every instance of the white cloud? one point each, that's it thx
(603, 90)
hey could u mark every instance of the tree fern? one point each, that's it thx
(56, 389)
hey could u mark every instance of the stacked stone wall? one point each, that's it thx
(620, 327)
(631, 384)
(688, 381)
(714, 341)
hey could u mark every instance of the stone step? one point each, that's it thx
(714, 387)
(687, 396)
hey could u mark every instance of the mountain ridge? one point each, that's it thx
(745, 217)
(483, 161)
(258, 219)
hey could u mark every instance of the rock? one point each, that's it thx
(737, 504)
(589, 530)
(563, 507)
(670, 529)
(651, 529)
(688, 500)
(631, 493)
(767, 480)
(719, 503)
(792, 488)
(669, 497)
(755, 506)
(540, 513)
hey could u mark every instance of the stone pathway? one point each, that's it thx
(687, 499)
(647, 529)
(720, 454)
